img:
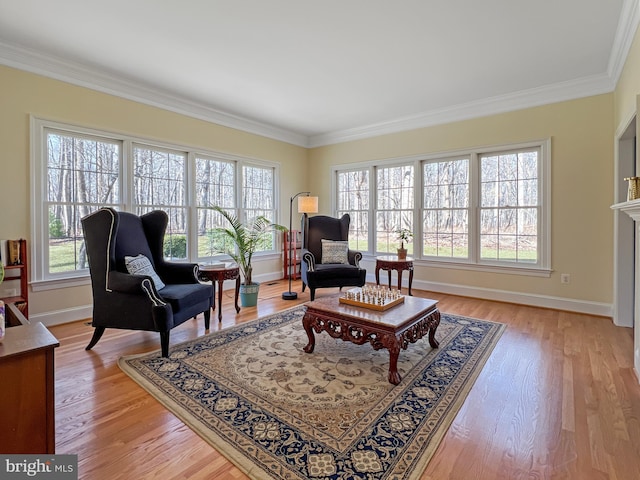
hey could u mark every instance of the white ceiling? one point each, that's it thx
(313, 73)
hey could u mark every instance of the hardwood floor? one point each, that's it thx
(558, 399)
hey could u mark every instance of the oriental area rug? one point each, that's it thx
(278, 412)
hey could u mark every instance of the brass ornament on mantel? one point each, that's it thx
(634, 188)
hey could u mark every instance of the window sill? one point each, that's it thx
(57, 283)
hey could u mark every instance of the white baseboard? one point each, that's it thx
(544, 301)
(58, 317)
(558, 303)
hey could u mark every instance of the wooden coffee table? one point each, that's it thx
(392, 329)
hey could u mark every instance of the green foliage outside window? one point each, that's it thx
(175, 246)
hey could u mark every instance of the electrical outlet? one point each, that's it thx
(565, 278)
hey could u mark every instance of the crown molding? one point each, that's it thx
(625, 33)
(77, 74)
(85, 76)
(570, 90)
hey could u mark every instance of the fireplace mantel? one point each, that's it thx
(631, 208)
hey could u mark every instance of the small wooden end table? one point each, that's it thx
(392, 262)
(220, 274)
(391, 329)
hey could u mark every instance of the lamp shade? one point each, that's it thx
(307, 204)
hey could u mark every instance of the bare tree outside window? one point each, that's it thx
(394, 206)
(445, 222)
(258, 199)
(489, 208)
(158, 184)
(83, 175)
(83, 170)
(215, 186)
(509, 206)
(353, 198)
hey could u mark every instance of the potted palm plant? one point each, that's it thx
(242, 242)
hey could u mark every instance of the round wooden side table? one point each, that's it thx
(220, 274)
(392, 262)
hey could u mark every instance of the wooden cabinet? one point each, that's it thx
(18, 273)
(27, 420)
(296, 253)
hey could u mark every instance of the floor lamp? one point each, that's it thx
(306, 204)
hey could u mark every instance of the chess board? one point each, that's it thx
(373, 298)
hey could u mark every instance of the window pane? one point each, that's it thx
(509, 206)
(215, 186)
(446, 208)
(158, 177)
(66, 241)
(353, 198)
(258, 199)
(395, 193)
(83, 174)
(82, 169)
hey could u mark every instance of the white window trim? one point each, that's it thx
(39, 221)
(542, 269)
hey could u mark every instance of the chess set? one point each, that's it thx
(373, 297)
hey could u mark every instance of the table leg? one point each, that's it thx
(389, 272)
(394, 351)
(306, 323)
(220, 300)
(432, 330)
(377, 274)
(399, 280)
(237, 293)
(410, 279)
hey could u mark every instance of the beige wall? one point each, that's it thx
(582, 164)
(582, 134)
(628, 86)
(22, 94)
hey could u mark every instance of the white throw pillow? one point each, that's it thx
(140, 265)
(335, 251)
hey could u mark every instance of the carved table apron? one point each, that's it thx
(392, 329)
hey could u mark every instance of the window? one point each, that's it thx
(257, 197)
(353, 198)
(509, 206)
(158, 184)
(79, 170)
(394, 206)
(215, 184)
(445, 214)
(83, 174)
(486, 208)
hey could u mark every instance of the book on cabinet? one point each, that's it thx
(292, 250)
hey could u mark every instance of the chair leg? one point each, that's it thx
(164, 344)
(207, 319)
(97, 333)
(303, 286)
(312, 292)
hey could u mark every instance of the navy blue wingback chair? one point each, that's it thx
(123, 300)
(316, 271)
